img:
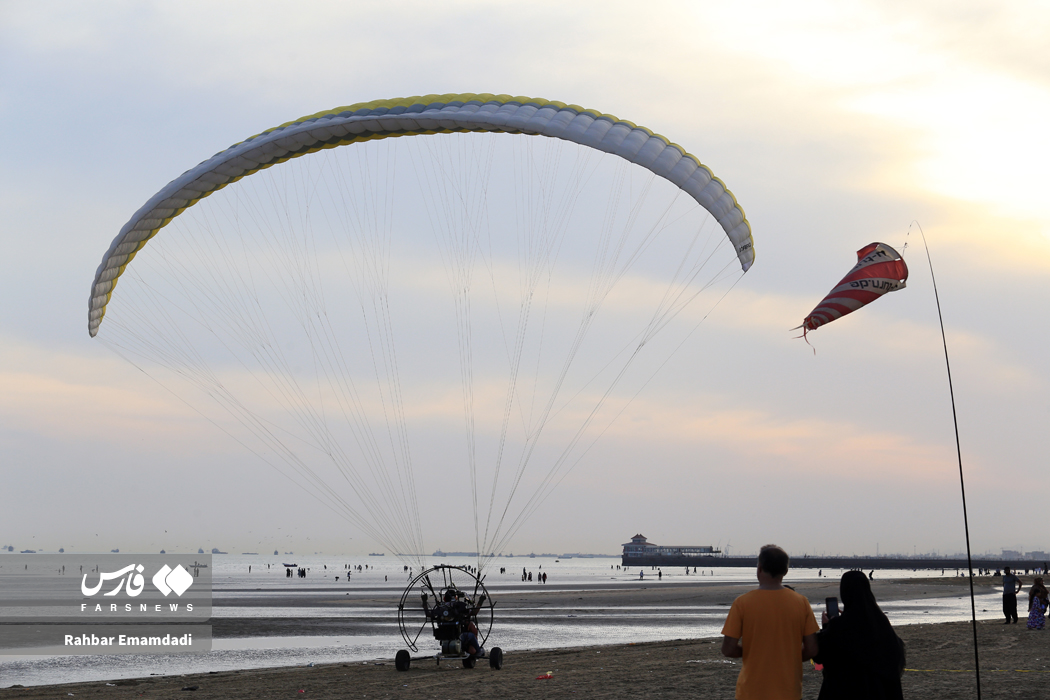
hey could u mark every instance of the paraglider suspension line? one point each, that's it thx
(958, 452)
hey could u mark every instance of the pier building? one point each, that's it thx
(640, 551)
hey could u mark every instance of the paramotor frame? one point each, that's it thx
(456, 582)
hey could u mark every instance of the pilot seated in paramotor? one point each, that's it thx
(453, 617)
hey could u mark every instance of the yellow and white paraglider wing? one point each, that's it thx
(414, 116)
(431, 330)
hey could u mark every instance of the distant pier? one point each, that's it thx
(640, 552)
(832, 563)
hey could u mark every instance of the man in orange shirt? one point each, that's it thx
(774, 630)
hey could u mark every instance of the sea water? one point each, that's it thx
(240, 593)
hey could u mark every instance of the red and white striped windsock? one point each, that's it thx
(879, 269)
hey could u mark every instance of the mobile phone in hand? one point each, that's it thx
(832, 605)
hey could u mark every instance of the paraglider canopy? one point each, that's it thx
(416, 116)
(471, 309)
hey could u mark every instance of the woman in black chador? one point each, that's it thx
(862, 656)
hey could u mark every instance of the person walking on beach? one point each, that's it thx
(773, 630)
(862, 656)
(1011, 587)
(1038, 599)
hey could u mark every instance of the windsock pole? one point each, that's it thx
(958, 452)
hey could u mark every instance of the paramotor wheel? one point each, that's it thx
(496, 658)
(403, 660)
(469, 662)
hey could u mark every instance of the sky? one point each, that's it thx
(834, 124)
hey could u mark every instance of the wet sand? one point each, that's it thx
(1015, 662)
(532, 601)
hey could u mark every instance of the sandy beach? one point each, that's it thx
(1014, 664)
(1014, 661)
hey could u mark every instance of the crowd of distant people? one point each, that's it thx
(526, 575)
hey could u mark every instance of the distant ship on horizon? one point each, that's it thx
(439, 553)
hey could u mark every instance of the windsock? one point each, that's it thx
(879, 269)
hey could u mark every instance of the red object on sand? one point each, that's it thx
(544, 677)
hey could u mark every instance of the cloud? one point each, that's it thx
(764, 442)
(57, 396)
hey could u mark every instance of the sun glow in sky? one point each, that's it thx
(972, 119)
(834, 124)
